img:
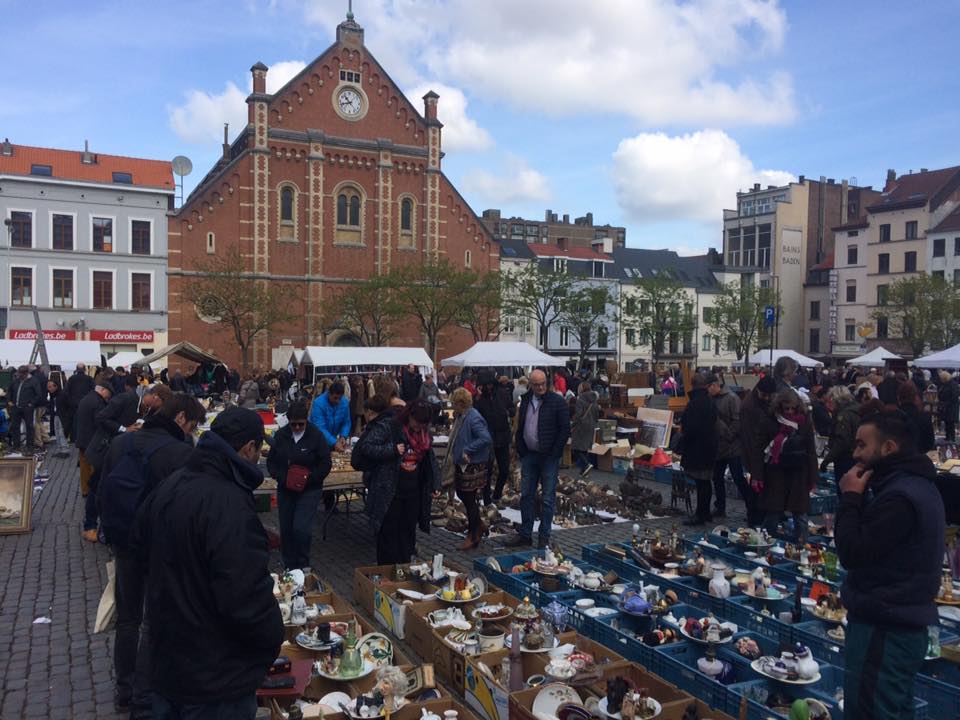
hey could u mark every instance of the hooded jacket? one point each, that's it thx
(331, 420)
(209, 593)
(699, 438)
(892, 545)
(727, 406)
(583, 425)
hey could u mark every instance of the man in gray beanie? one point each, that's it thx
(210, 596)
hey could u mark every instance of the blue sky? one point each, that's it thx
(650, 113)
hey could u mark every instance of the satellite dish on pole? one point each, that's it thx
(182, 167)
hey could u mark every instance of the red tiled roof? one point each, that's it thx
(949, 223)
(67, 165)
(916, 188)
(825, 264)
(574, 253)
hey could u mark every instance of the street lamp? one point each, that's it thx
(8, 222)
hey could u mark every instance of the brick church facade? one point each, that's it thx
(335, 178)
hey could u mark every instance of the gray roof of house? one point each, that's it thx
(693, 271)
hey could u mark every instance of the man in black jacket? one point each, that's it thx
(497, 408)
(208, 585)
(159, 449)
(542, 432)
(891, 546)
(699, 445)
(86, 424)
(78, 386)
(25, 395)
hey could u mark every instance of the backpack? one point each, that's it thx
(793, 454)
(123, 489)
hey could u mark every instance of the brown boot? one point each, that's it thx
(469, 543)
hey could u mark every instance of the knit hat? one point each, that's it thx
(238, 426)
(105, 384)
(767, 385)
(713, 378)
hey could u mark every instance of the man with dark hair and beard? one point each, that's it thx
(891, 545)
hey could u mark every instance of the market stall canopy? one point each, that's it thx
(949, 358)
(502, 354)
(877, 356)
(184, 349)
(763, 357)
(65, 353)
(125, 359)
(338, 357)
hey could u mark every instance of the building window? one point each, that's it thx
(140, 231)
(140, 291)
(884, 263)
(63, 288)
(123, 177)
(705, 343)
(602, 337)
(62, 228)
(910, 230)
(814, 340)
(885, 233)
(910, 261)
(21, 229)
(631, 337)
(815, 310)
(288, 213)
(597, 269)
(509, 324)
(21, 286)
(348, 208)
(956, 277)
(349, 76)
(851, 291)
(733, 247)
(286, 204)
(939, 274)
(763, 245)
(850, 331)
(851, 255)
(211, 243)
(883, 329)
(748, 245)
(559, 265)
(956, 246)
(102, 234)
(102, 290)
(46, 170)
(406, 215)
(882, 294)
(467, 259)
(564, 337)
(708, 315)
(853, 233)
(939, 247)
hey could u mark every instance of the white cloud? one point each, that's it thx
(687, 177)
(517, 183)
(200, 117)
(659, 61)
(460, 132)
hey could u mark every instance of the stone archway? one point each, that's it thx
(343, 338)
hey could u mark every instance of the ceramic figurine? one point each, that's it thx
(713, 633)
(946, 587)
(634, 541)
(807, 667)
(719, 585)
(628, 708)
(708, 664)
(298, 609)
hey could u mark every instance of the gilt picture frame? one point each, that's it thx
(16, 494)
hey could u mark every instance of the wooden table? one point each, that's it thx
(343, 483)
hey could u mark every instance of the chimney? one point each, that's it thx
(259, 72)
(844, 200)
(891, 179)
(87, 157)
(566, 219)
(7, 148)
(589, 218)
(226, 141)
(756, 186)
(923, 170)
(430, 106)
(802, 178)
(830, 181)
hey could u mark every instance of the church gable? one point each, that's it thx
(345, 92)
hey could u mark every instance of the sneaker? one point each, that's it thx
(518, 540)
(90, 535)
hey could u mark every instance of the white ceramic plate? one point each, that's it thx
(377, 648)
(334, 699)
(552, 696)
(458, 601)
(602, 707)
(413, 594)
(368, 667)
(503, 612)
(308, 642)
(756, 666)
(493, 564)
(508, 641)
(597, 612)
(721, 641)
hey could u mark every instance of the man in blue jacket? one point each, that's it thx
(330, 414)
(542, 432)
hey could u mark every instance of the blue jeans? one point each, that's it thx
(297, 513)
(239, 709)
(537, 468)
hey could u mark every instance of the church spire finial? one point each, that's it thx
(349, 9)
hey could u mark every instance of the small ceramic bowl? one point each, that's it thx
(619, 588)
(585, 604)
(535, 680)
(750, 554)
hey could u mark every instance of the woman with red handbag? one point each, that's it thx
(299, 461)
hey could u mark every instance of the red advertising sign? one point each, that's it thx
(122, 336)
(47, 335)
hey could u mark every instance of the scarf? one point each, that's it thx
(789, 424)
(418, 444)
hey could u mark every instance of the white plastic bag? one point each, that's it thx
(107, 609)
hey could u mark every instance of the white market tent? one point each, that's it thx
(65, 353)
(125, 359)
(765, 357)
(876, 357)
(502, 354)
(949, 358)
(344, 358)
(184, 349)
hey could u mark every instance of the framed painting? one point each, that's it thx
(16, 494)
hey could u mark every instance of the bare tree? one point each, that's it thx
(369, 309)
(483, 316)
(586, 316)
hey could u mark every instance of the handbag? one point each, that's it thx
(297, 478)
(471, 477)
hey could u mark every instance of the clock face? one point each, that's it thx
(350, 102)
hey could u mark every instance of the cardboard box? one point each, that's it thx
(295, 652)
(419, 632)
(603, 456)
(413, 711)
(320, 686)
(488, 696)
(390, 607)
(365, 581)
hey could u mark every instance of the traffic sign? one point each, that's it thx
(768, 315)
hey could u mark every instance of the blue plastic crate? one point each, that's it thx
(767, 646)
(939, 685)
(813, 633)
(740, 610)
(619, 633)
(824, 501)
(680, 668)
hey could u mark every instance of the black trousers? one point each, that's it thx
(502, 454)
(397, 539)
(91, 510)
(16, 416)
(131, 657)
(297, 513)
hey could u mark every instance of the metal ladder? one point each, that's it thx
(39, 347)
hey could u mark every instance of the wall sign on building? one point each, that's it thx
(122, 336)
(47, 335)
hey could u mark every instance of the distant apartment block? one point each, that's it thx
(553, 230)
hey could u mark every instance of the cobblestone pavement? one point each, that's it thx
(62, 670)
